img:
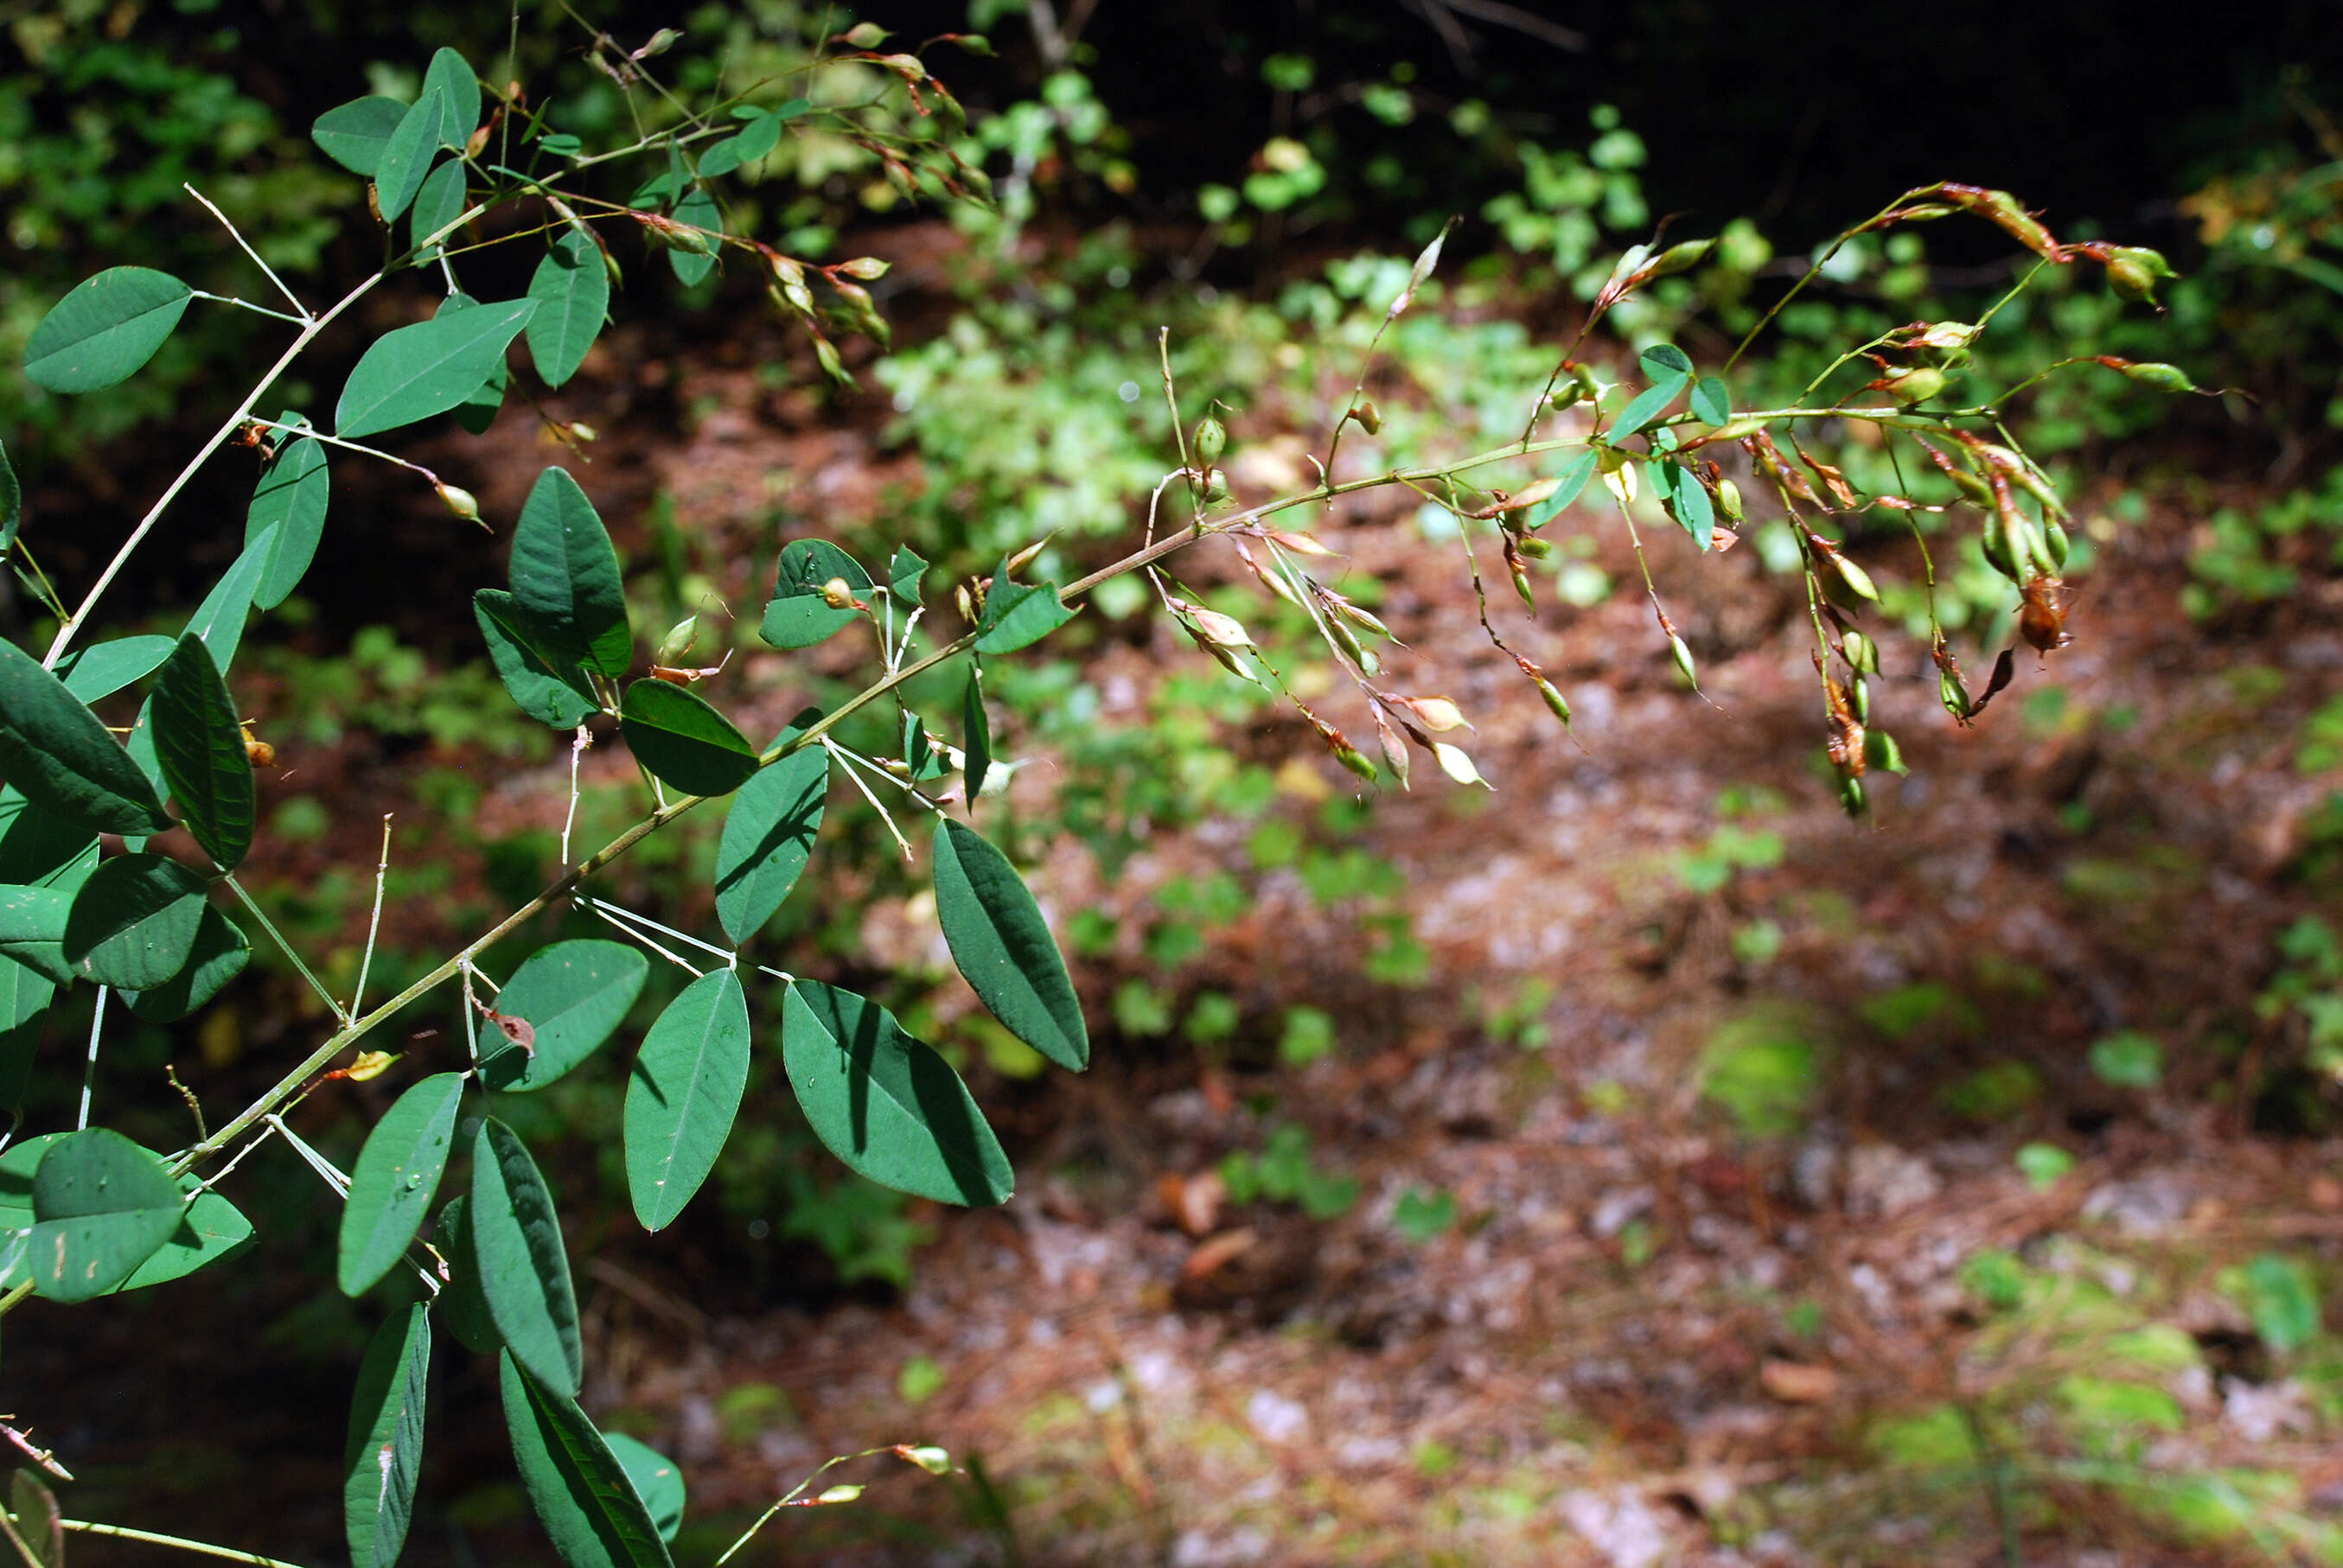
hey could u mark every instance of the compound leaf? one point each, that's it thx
(684, 1093)
(1003, 948)
(103, 669)
(528, 673)
(463, 1308)
(104, 329)
(396, 1178)
(1019, 614)
(886, 1104)
(657, 1479)
(459, 88)
(1648, 405)
(211, 1228)
(976, 736)
(523, 1270)
(699, 210)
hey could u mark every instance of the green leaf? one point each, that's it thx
(62, 756)
(219, 619)
(101, 1206)
(572, 290)
(976, 742)
(1017, 615)
(580, 1491)
(396, 1178)
(1647, 406)
(383, 1452)
(426, 369)
(768, 834)
(1572, 476)
(477, 411)
(19, 1164)
(698, 209)
(212, 1228)
(104, 329)
(1687, 501)
(40, 847)
(1662, 361)
(886, 1104)
(32, 931)
(1003, 948)
(1712, 400)
(24, 997)
(39, 1520)
(921, 756)
(574, 994)
(437, 204)
(103, 669)
(721, 158)
(798, 616)
(219, 955)
(201, 748)
(656, 1478)
(564, 575)
(133, 923)
(687, 744)
(684, 1092)
(523, 1270)
(407, 153)
(354, 134)
(528, 675)
(290, 497)
(459, 87)
(463, 1308)
(905, 570)
(12, 503)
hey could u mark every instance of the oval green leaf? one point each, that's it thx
(396, 1178)
(437, 204)
(1647, 406)
(24, 997)
(657, 1479)
(101, 1206)
(1017, 615)
(573, 994)
(211, 1228)
(768, 835)
(797, 616)
(1664, 359)
(451, 76)
(905, 571)
(564, 575)
(12, 503)
(104, 329)
(463, 1308)
(219, 955)
(523, 1270)
(426, 369)
(103, 669)
(353, 134)
(580, 1491)
(572, 290)
(887, 1105)
(526, 673)
(63, 758)
(1570, 478)
(685, 743)
(1003, 948)
(698, 209)
(976, 732)
(1712, 400)
(1687, 501)
(219, 620)
(383, 1452)
(133, 924)
(200, 746)
(408, 154)
(477, 411)
(291, 497)
(684, 1092)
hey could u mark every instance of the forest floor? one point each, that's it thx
(1671, 1166)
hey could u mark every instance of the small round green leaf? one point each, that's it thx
(573, 995)
(394, 1179)
(1003, 948)
(768, 835)
(683, 1095)
(523, 1270)
(572, 290)
(564, 575)
(685, 743)
(101, 1206)
(383, 1452)
(200, 747)
(291, 496)
(582, 1493)
(104, 329)
(133, 924)
(797, 616)
(426, 369)
(354, 134)
(658, 1481)
(886, 1104)
(62, 756)
(219, 955)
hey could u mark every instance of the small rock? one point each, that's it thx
(1883, 1180)
(1624, 1528)
(1275, 1418)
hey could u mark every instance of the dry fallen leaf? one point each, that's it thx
(1798, 1382)
(1214, 1254)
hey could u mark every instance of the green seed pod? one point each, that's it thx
(1858, 581)
(1355, 760)
(1368, 418)
(2031, 546)
(1211, 438)
(1862, 653)
(1678, 258)
(2054, 534)
(678, 641)
(1917, 384)
(1554, 701)
(1858, 697)
(1954, 695)
(865, 35)
(2132, 272)
(1880, 752)
(459, 501)
(1584, 378)
(864, 268)
(1522, 587)
(2163, 377)
(1728, 499)
(1535, 549)
(1346, 641)
(1851, 796)
(1216, 485)
(1567, 395)
(1685, 665)
(1994, 537)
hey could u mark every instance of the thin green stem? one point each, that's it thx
(248, 304)
(16, 1295)
(316, 434)
(286, 948)
(1816, 271)
(154, 1538)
